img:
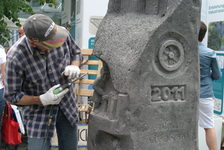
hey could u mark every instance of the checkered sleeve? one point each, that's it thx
(75, 50)
(13, 82)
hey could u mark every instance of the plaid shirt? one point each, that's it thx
(33, 72)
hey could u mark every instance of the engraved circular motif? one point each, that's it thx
(171, 55)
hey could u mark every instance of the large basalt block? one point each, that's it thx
(147, 94)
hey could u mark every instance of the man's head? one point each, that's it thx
(202, 31)
(43, 33)
(21, 32)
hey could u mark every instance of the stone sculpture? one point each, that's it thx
(147, 95)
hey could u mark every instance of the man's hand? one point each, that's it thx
(49, 98)
(72, 71)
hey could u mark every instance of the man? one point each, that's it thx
(2, 77)
(20, 31)
(36, 65)
(209, 70)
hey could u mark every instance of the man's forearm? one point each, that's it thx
(29, 100)
(3, 71)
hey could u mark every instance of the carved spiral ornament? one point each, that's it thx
(171, 55)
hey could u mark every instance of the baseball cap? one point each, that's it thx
(43, 28)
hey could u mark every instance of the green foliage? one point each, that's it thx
(10, 9)
(52, 2)
(216, 35)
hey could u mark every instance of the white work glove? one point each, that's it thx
(49, 98)
(72, 71)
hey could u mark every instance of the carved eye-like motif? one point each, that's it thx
(171, 55)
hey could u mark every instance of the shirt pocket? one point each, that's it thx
(35, 77)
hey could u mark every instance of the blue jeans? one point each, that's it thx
(67, 136)
(2, 106)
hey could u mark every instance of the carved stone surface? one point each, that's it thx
(147, 95)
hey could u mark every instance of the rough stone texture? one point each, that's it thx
(147, 95)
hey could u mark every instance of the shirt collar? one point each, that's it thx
(28, 46)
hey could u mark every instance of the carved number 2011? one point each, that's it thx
(166, 93)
